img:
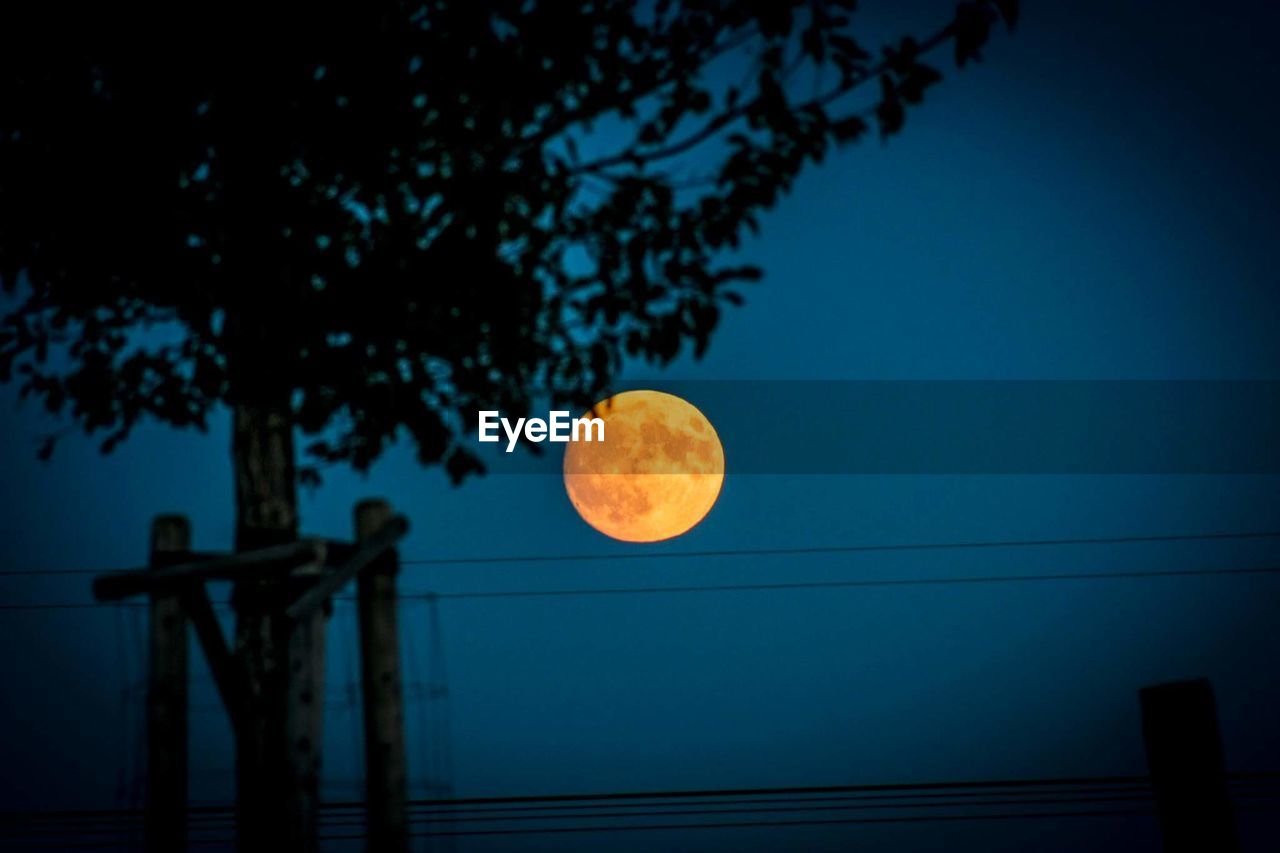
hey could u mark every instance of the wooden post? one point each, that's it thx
(262, 811)
(304, 724)
(166, 813)
(1188, 774)
(279, 731)
(383, 702)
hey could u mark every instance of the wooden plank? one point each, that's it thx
(166, 805)
(378, 542)
(222, 665)
(1188, 774)
(278, 559)
(386, 771)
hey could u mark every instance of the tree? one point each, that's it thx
(371, 222)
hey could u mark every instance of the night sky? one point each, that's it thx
(1097, 200)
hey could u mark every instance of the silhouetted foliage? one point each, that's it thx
(391, 215)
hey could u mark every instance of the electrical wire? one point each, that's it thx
(767, 552)
(840, 549)
(759, 587)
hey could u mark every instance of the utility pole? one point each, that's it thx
(166, 812)
(383, 702)
(1188, 773)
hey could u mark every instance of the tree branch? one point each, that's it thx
(569, 119)
(636, 158)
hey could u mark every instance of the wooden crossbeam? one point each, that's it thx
(365, 553)
(222, 664)
(114, 586)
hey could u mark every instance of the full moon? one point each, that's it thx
(657, 473)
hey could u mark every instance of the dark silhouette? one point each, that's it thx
(384, 218)
(1188, 772)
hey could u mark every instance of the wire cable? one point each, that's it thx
(841, 549)
(874, 582)
(765, 552)
(759, 587)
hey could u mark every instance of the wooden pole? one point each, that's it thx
(166, 811)
(279, 727)
(1188, 774)
(383, 703)
(261, 766)
(304, 725)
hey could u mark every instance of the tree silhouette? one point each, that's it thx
(377, 220)
(360, 223)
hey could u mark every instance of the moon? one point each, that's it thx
(657, 473)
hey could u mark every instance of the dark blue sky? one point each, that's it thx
(1098, 200)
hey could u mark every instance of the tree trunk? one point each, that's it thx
(266, 514)
(266, 493)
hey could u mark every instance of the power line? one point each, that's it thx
(651, 797)
(875, 582)
(758, 587)
(806, 790)
(1011, 794)
(955, 798)
(717, 825)
(330, 814)
(204, 823)
(840, 549)
(774, 809)
(217, 828)
(764, 552)
(759, 824)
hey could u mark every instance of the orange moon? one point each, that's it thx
(657, 473)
